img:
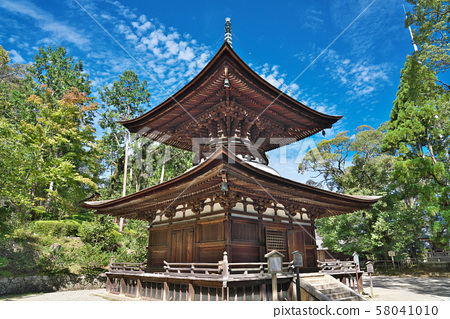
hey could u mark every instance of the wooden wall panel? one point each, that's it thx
(245, 253)
(311, 258)
(158, 237)
(244, 231)
(156, 257)
(210, 254)
(209, 232)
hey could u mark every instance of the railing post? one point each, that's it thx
(191, 292)
(108, 284)
(165, 296)
(111, 261)
(138, 288)
(225, 266)
(122, 286)
(167, 266)
(224, 276)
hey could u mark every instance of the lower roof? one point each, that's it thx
(243, 180)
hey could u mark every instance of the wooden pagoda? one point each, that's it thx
(231, 200)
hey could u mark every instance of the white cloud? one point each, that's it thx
(46, 22)
(361, 78)
(141, 28)
(124, 11)
(16, 57)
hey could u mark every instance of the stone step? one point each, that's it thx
(340, 295)
(351, 298)
(325, 286)
(315, 279)
(333, 290)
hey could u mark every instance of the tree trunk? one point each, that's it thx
(48, 201)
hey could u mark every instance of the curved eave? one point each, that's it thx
(255, 172)
(137, 124)
(223, 159)
(176, 181)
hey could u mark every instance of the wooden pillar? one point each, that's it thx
(360, 284)
(138, 288)
(108, 284)
(292, 292)
(148, 250)
(166, 291)
(191, 292)
(122, 286)
(274, 287)
(263, 292)
(225, 294)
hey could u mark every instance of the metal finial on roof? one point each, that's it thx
(228, 31)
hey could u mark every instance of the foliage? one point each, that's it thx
(134, 242)
(92, 258)
(101, 233)
(59, 72)
(55, 259)
(385, 227)
(432, 19)
(127, 97)
(419, 136)
(328, 160)
(56, 228)
(49, 152)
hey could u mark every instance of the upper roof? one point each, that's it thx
(247, 106)
(205, 180)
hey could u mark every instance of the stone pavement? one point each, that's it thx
(386, 288)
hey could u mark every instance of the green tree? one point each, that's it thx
(328, 160)
(432, 35)
(127, 98)
(63, 150)
(60, 72)
(359, 167)
(419, 136)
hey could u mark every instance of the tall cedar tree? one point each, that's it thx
(419, 133)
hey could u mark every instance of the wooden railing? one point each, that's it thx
(126, 267)
(193, 268)
(222, 268)
(438, 254)
(337, 266)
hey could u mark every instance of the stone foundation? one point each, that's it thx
(36, 284)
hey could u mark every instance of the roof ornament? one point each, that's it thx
(228, 31)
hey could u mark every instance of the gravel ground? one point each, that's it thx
(387, 288)
(75, 295)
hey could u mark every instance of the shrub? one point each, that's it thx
(101, 232)
(55, 259)
(57, 228)
(92, 259)
(4, 262)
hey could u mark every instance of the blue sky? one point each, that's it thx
(338, 57)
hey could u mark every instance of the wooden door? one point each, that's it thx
(188, 245)
(296, 241)
(182, 245)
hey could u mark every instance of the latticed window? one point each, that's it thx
(276, 240)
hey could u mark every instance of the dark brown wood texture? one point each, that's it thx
(245, 240)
